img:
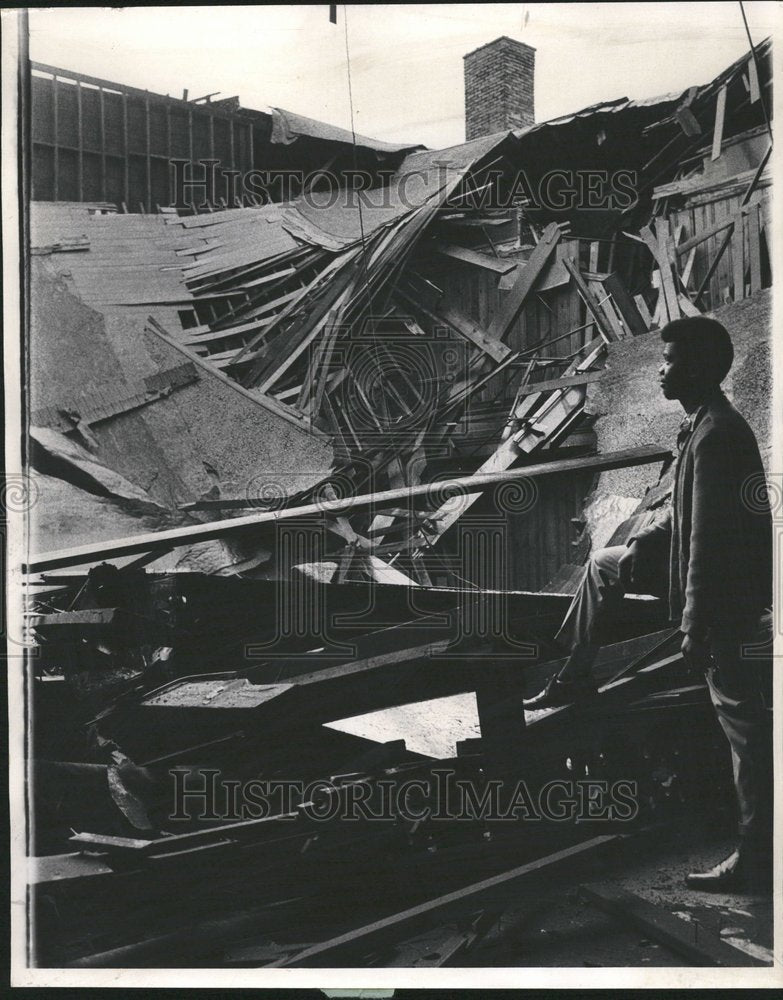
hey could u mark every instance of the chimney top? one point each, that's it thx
(499, 87)
(501, 38)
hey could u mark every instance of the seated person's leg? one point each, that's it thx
(599, 592)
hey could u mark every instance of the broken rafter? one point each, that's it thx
(98, 551)
(524, 284)
(713, 266)
(583, 378)
(467, 256)
(451, 316)
(593, 306)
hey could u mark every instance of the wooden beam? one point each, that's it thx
(659, 248)
(720, 115)
(686, 306)
(757, 176)
(713, 266)
(499, 265)
(644, 312)
(606, 306)
(452, 316)
(528, 276)
(470, 330)
(98, 551)
(754, 248)
(625, 305)
(693, 941)
(583, 378)
(753, 81)
(738, 262)
(507, 884)
(589, 299)
(685, 277)
(705, 234)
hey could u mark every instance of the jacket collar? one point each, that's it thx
(691, 421)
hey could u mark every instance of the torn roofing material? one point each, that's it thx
(338, 218)
(287, 127)
(663, 104)
(175, 432)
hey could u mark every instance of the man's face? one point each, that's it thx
(675, 375)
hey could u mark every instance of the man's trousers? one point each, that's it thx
(732, 679)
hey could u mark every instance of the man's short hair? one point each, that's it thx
(705, 342)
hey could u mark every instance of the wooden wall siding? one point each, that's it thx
(94, 142)
(696, 219)
(547, 314)
(527, 547)
(541, 539)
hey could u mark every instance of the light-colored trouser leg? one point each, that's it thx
(734, 689)
(600, 588)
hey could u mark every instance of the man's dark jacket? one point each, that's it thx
(718, 527)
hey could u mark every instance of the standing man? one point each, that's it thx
(718, 536)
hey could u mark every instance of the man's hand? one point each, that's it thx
(627, 566)
(696, 653)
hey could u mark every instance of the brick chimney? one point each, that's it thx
(499, 87)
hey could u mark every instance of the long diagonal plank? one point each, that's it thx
(505, 885)
(588, 298)
(463, 324)
(698, 944)
(583, 378)
(97, 551)
(522, 287)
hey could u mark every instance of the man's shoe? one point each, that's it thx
(559, 692)
(730, 875)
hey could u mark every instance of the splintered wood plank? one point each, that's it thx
(644, 312)
(695, 942)
(720, 115)
(526, 280)
(754, 248)
(753, 81)
(664, 263)
(713, 265)
(584, 378)
(632, 319)
(544, 414)
(686, 306)
(685, 277)
(659, 317)
(498, 265)
(170, 538)
(705, 234)
(607, 308)
(738, 263)
(589, 299)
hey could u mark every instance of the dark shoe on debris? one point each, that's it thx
(739, 872)
(560, 692)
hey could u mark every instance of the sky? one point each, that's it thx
(406, 69)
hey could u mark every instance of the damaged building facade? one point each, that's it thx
(310, 454)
